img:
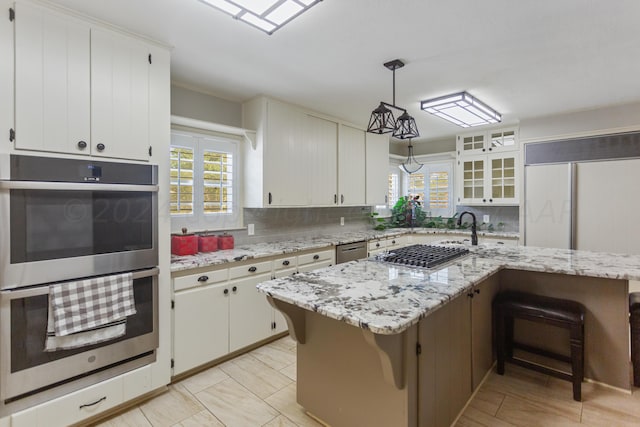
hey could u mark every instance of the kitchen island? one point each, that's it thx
(381, 344)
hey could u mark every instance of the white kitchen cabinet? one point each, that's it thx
(119, 96)
(377, 168)
(321, 139)
(490, 179)
(52, 81)
(485, 142)
(250, 314)
(200, 326)
(376, 246)
(79, 88)
(316, 259)
(351, 166)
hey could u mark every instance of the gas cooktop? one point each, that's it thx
(423, 255)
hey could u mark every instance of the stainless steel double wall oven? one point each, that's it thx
(64, 220)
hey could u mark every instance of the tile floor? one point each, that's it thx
(258, 389)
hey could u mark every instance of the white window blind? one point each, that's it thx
(394, 189)
(181, 190)
(434, 188)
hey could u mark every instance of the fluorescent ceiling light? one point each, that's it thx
(266, 15)
(461, 109)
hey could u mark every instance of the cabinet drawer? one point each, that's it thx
(201, 279)
(396, 242)
(250, 270)
(81, 404)
(316, 257)
(315, 266)
(284, 263)
(377, 244)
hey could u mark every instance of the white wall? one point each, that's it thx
(423, 148)
(201, 106)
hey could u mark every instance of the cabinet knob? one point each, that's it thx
(286, 262)
(226, 291)
(484, 200)
(470, 294)
(490, 149)
(252, 269)
(491, 200)
(377, 245)
(82, 145)
(477, 291)
(100, 146)
(234, 289)
(203, 278)
(316, 257)
(270, 198)
(335, 199)
(342, 198)
(393, 242)
(484, 149)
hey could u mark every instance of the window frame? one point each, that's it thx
(428, 168)
(201, 141)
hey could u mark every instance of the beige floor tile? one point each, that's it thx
(476, 417)
(487, 400)
(201, 419)
(259, 378)
(171, 407)
(285, 402)
(291, 371)
(463, 421)
(198, 382)
(274, 356)
(526, 414)
(603, 397)
(281, 421)
(132, 418)
(596, 415)
(285, 343)
(234, 405)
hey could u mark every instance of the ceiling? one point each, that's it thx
(524, 58)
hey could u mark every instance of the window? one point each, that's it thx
(394, 188)
(204, 182)
(434, 188)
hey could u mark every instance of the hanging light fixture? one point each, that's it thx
(411, 165)
(382, 120)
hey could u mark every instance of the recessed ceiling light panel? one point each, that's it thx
(265, 15)
(461, 109)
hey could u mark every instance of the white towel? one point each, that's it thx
(89, 311)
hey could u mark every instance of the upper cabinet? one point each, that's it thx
(484, 142)
(377, 168)
(302, 159)
(488, 167)
(79, 88)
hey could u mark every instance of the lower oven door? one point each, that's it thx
(26, 369)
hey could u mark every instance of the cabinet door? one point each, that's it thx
(471, 143)
(250, 314)
(321, 137)
(472, 177)
(351, 167)
(377, 169)
(502, 140)
(52, 81)
(200, 326)
(119, 96)
(286, 171)
(482, 329)
(502, 185)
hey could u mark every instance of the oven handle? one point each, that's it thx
(16, 293)
(74, 186)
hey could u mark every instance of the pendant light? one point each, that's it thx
(411, 165)
(382, 120)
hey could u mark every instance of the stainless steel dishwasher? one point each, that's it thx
(351, 251)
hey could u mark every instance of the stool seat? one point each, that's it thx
(634, 302)
(556, 312)
(546, 308)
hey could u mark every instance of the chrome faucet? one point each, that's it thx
(474, 234)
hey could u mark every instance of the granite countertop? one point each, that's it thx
(261, 250)
(388, 299)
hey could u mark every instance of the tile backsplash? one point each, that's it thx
(508, 215)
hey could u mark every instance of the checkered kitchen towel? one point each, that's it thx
(87, 304)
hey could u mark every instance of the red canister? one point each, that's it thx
(207, 243)
(225, 241)
(184, 244)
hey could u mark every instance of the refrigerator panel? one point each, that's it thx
(548, 213)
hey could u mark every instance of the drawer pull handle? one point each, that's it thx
(316, 257)
(234, 289)
(252, 269)
(286, 262)
(101, 147)
(86, 405)
(377, 245)
(203, 278)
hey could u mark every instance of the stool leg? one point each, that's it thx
(500, 341)
(577, 360)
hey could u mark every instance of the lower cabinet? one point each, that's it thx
(250, 314)
(200, 326)
(482, 348)
(315, 260)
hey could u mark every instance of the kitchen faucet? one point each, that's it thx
(474, 235)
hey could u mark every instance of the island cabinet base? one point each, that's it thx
(340, 378)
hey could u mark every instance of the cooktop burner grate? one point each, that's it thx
(423, 255)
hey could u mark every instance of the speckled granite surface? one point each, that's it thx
(260, 250)
(387, 299)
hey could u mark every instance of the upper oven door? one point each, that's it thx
(53, 231)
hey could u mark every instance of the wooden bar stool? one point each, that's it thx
(634, 319)
(551, 311)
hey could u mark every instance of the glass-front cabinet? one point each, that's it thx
(473, 179)
(488, 179)
(485, 142)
